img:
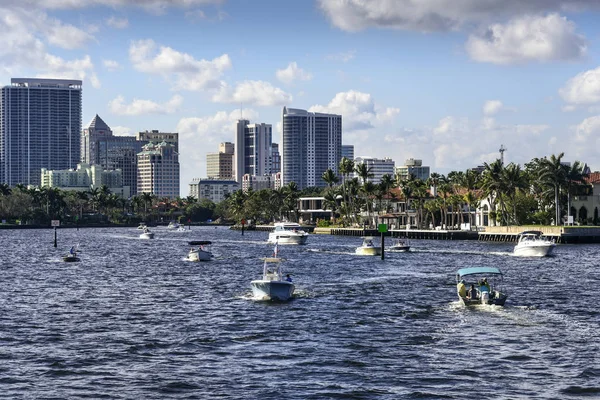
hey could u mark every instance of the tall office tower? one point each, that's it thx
(311, 143)
(378, 167)
(40, 125)
(275, 159)
(157, 137)
(348, 151)
(158, 170)
(220, 165)
(100, 147)
(252, 149)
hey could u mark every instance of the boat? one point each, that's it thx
(173, 225)
(288, 233)
(484, 281)
(72, 256)
(181, 228)
(533, 244)
(142, 226)
(273, 286)
(368, 248)
(146, 234)
(202, 253)
(400, 245)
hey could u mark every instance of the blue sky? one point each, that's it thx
(446, 81)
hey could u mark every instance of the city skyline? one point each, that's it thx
(445, 84)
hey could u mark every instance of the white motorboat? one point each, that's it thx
(368, 248)
(533, 244)
(142, 226)
(146, 234)
(181, 228)
(173, 225)
(288, 233)
(201, 253)
(400, 245)
(273, 286)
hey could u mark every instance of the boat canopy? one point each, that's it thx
(478, 270)
(272, 259)
(537, 233)
(199, 242)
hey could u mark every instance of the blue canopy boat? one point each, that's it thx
(480, 285)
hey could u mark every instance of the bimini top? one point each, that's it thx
(537, 233)
(478, 270)
(199, 242)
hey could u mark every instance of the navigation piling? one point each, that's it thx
(55, 244)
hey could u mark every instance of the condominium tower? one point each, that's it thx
(252, 149)
(40, 125)
(378, 167)
(158, 170)
(348, 151)
(311, 143)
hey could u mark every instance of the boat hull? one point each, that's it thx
(399, 249)
(272, 290)
(70, 259)
(538, 250)
(368, 251)
(287, 238)
(147, 236)
(497, 301)
(200, 256)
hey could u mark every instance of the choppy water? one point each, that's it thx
(133, 319)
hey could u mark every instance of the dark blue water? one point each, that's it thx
(133, 319)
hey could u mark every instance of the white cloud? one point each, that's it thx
(491, 107)
(111, 65)
(202, 135)
(140, 107)
(117, 23)
(584, 88)
(187, 72)
(343, 56)
(293, 73)
(436, 15)
(122, 131)
(528, 38)
(259, 93)
(587, 128)
(359, 111)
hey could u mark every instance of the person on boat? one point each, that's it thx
(484, 286)
(370, 243)
(288, 278)
(472, 293)
(461, 288)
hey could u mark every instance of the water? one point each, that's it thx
(133, 319)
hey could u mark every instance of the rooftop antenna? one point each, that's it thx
(502, 150)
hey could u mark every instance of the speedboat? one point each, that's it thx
(146, 234)
(273, 286)
(480, 285)
(142, 226)
(173, 225)
(533, 244)
(288, 233)
(202, 253)
(368, 248)
(400, 245)
(72, 256)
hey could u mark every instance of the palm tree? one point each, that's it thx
(514, 182)
(330, 177)
(553, 174)
(346, 168)
(290, 201)
(147, 198)
(493, 184)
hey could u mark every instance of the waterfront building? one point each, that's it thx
(215, 190)
(84, 178)
(413, 167)
(255, 183)
(158, 170)
(311, 143)
(252, 149)
(348, 151)
(40, 125)
(377, 166)
(220, 165)
(99, 146)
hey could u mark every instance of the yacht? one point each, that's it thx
(400, 245)
(288, 233)
(533, 244)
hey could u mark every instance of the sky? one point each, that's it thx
(445, 81)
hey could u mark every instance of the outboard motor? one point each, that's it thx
(485, 297)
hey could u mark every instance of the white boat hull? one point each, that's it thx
(147, 235)
(534, 250)
(200, 256)
(272, 290)
(399, 249)
(368, 251)
(287, 238)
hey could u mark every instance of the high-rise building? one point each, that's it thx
(227, 148)
(157, 137)
(99, 146)
(158, 170)
(348, 151)
(40, 125)
(377, 166)
(312, 143)
(213, 189)
(413, 167)
(219, 166)
(252, 149)
(275, 159)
